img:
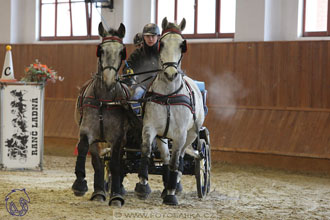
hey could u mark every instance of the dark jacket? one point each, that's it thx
(143, 59)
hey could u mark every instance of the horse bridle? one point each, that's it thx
(123, 57)
(171, 64)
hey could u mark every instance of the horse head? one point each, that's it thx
(111, 52)
(172, 45)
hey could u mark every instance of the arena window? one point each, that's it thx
(68, 20)
(316, 18)
(205, 18)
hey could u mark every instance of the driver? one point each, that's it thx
(144, 58)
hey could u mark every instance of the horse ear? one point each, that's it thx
(102, 31)
(121, 30)
(182, 24)
(164, 23)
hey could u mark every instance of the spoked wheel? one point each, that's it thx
(203, 170)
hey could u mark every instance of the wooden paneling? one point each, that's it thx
(273, 74)
(264, 97)
(59, 118)
(280, 132)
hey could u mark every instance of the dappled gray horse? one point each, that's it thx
(174, 110)
(102, 115)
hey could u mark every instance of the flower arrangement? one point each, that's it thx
(38, 72)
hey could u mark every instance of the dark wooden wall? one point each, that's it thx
(263, 97)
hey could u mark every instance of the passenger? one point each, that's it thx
(138, 40)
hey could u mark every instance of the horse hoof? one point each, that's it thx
(98, 196)
(116, 200)
(178, 190)
(115, 203)
(170, 200)
(79, 187)
(142, 191)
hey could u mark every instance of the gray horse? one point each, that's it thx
(104, 117)
(174, 110)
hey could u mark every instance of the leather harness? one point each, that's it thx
(100, 104)
(173, 99)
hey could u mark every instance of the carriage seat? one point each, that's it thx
(201, 86)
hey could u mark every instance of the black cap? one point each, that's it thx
(151, 29)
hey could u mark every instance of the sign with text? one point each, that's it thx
(21, 126)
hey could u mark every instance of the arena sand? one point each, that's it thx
(236, 193)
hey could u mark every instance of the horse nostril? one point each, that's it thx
(176, 74)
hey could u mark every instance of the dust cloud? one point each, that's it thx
(225, 90)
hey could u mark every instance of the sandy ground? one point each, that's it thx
(236, 193)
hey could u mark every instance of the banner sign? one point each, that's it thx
(21, 126)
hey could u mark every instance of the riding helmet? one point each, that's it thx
(151, 29)
(138, 39)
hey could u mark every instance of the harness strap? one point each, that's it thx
(192, 98)
(101, 104)
(173, 99)
(167, 120)
(101, 122)
(153, 96)
(81, 98)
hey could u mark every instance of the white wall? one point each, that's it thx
(256, 20)
(268, 20)
(114, 17)
(273, 20)
(283, 20)
(137, 14)
(23, 29)
(5, 21)
(250, 15)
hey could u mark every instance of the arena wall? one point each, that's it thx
(269, 102)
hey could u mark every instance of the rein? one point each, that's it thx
(140, 73)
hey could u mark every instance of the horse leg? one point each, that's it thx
(191, 136)
(179, 187)
(142, 188)
(170, 198)
(116, 198)
(162, 146)
(99, 193)
(79, 186)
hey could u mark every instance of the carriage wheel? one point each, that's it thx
(203, 170)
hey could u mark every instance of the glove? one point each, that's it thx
(129, 71)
